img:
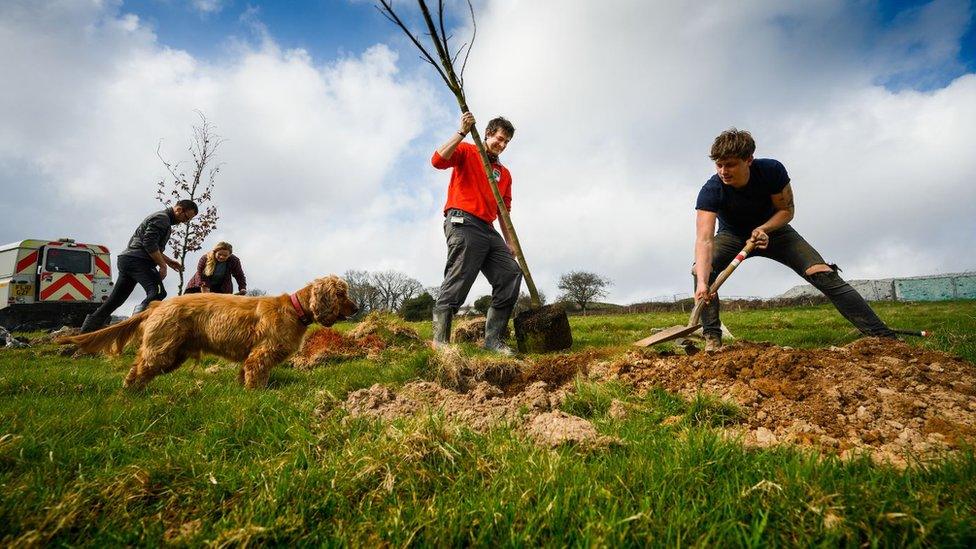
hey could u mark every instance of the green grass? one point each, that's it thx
(83, 463)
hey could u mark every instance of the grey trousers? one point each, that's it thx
(475, 246)
(786, 246)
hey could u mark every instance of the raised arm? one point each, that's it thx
(446, 151)
(785, 209)
(704, 234)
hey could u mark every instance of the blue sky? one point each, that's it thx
(330, 29)
(330, 119)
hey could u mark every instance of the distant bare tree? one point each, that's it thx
(256, 292)
(582, 287)
(394, 287)
(362, 291)
(197, 186)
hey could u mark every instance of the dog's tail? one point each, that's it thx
(111, 339)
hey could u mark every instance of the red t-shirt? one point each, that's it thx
(469, 189)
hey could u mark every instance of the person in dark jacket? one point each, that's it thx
(214, 272)
(143, 262)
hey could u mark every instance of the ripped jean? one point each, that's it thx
(787, 247)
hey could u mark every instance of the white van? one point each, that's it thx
(52, 283)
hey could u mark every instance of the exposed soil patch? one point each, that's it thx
(483, 392)
(481, 407)
(368, 339)
(887, 399)
(882, 397)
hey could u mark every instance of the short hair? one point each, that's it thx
(188, 205)
(733, 143)
(500, 123)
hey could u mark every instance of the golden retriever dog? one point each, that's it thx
(258, 332)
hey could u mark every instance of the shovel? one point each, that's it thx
(676, 332)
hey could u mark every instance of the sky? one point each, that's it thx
(329, 119)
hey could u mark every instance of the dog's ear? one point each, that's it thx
(324, 299)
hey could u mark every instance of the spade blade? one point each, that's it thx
(667, 334)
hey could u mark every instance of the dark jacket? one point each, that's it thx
(151, 235)
(234, 269)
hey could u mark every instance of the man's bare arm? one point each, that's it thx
(704, 234)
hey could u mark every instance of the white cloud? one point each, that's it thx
(615, 110)
(326, 160)
(310, 145)
(206, 7)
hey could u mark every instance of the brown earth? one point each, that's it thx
(483, 392)
(888, 399)
(368, 339)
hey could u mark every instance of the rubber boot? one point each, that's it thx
(92, 322)
(442, 329)
(495, 326)
(713, 342)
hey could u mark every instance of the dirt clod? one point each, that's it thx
(543, 330)
(557, 428)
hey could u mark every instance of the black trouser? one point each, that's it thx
(786, 246)
(474, 246)
(132, 271)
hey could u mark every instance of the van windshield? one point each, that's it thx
(67, 261)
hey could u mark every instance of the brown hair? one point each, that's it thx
(500, 123)
(212, 257)
(733, 143)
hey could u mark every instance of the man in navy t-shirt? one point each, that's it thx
(752, 200)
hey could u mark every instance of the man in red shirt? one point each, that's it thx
(473, 244)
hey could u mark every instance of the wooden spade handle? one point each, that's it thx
(720, 279)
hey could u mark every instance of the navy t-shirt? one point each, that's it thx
(742, 210)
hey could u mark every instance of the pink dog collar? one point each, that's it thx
(303, 316)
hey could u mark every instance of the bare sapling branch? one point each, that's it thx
(447, 73)
(198, 187)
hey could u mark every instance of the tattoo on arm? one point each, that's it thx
(784, 201)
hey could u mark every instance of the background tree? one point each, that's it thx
(256, 292)
(362, 291)
(198, 186)
(416, 308)
(393, 288)
(582, 287)
(381, 291)
(482, 304)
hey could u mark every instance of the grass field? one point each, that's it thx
(196, 459)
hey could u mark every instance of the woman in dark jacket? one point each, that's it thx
(215, 270)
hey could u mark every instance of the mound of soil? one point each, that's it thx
(327, 345)
(483, 392)
(371, 336)
(481, 407)
(388, 328)
(882, 397)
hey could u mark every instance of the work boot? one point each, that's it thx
(713, 342)
(495, 325)
(442, 329)
(92, 322)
